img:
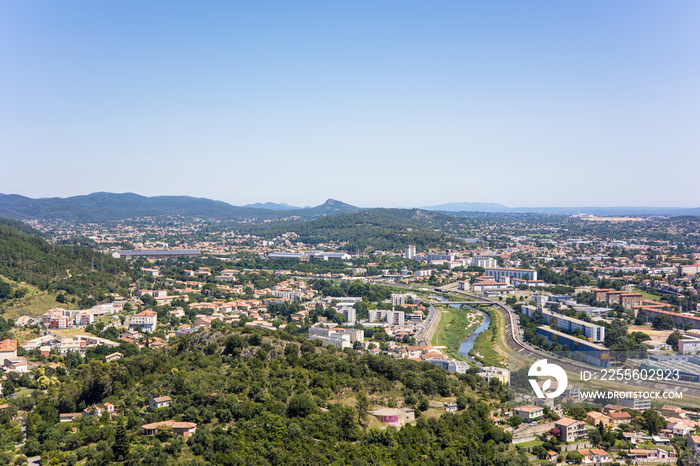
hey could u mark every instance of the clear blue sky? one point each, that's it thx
(376, 103)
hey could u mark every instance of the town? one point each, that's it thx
(520, 290)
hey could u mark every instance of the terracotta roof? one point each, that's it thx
(173, 424)
(8, 345)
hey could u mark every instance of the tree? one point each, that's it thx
(121, 444)
(363, 404)
(653, 422)
(574, 456)
(540, 451)
(462, 402)
(514, 421)
(673, 340)
(663, 322)
(301, 405)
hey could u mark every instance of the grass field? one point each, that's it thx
(485, 345)
(646, 295)
(455, 325)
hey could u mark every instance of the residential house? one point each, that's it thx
(680, 429)
(672, 411)
(595, 455)
(451, 407)
(595, 418)
(159, 402)
(693, 442)
(8, 350)
(529, 412)
(646, 456)
(16, 365)
(570, 429)
(110, 409)
(186, 429)
(394, 416)
(69, 417)
(113, 357)
(622, 417)
(491, 372)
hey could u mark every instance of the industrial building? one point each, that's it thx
(158, 253)
(688, 367)
(590, 353)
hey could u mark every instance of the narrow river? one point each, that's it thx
(468, 343)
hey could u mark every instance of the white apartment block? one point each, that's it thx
(341, 338)
(84, 318)
(689, 346)
(391, 317)
(147, 320)
(483, 261)
(440, 257)
(522, 274)
(350, 314)
(410, 252)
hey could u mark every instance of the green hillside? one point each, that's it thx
(26, 257)
(383, 229)
(264, 398)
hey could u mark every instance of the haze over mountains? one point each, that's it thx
(103, 206)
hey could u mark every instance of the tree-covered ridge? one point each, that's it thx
(366, 230)
(264, 398)
(27, 257)
(102, 207)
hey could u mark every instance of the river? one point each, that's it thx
(468, 343)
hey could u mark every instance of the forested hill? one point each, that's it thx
(373, 229)
(264, 398)
(100, 207)
(25, 256)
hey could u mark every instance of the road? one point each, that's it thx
(515, 343)
(429, 326)
(524, 350)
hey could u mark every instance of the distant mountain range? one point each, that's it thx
(98, 207)
(273, 206)
(459, 207)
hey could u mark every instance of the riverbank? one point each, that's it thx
(455, 326)
(484, 347)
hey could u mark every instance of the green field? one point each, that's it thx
(455, 325)
(646, 295)
(484, 345)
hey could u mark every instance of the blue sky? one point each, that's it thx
(377, 103)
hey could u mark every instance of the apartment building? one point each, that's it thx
(391, 317)
(147, 320)
(522, 274)
(341, 338)
(571, 429)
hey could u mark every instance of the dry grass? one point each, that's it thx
(24, 334)
(69, 332)
(34, 304)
